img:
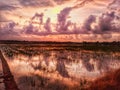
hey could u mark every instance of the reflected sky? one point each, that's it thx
(73, 63)
(61, 65)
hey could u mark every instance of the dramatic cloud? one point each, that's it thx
(29, 29)
(32, 30)
(62, 17)
(59, 2)
(81, 17)
(39, 16)
(114, 4)
(87, 24)
(7, 7)
(107, 23)
(8, 31)
(81, 3)
(36, 3)
(47, 25)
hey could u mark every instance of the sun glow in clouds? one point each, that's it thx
(59, 18)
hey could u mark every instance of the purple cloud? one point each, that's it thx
(87, 24)
(35, 3)
(62, 17)
(8, 31)
(39, 16)
(6, 7)
(47, 25)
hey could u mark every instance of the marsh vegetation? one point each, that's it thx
(60, 66)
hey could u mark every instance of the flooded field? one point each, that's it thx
(52, 67)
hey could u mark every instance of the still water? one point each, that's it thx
(57, 69)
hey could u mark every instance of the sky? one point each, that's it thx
(60, 20)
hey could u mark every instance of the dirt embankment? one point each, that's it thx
(110, 81)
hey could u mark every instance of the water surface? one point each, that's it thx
(36, 68)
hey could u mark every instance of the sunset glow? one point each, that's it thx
(59, 44)
(76, 15)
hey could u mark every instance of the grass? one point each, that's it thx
(110, 81)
